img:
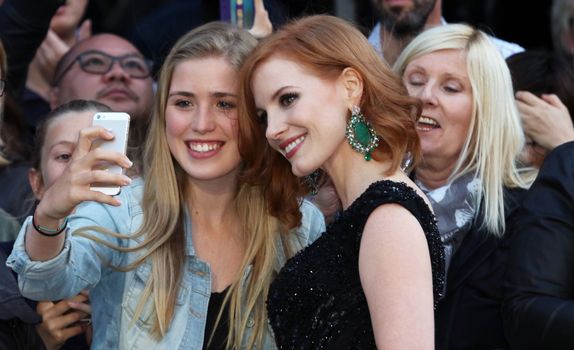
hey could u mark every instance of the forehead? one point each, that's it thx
(110, 44)
(210, 73)
(279, 67)
(66, 128)
(442, 61)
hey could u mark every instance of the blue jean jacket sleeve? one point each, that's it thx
(81, 262)
(313, 221)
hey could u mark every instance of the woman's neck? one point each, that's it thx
(352, 174)
(212, 203)
(434, 173)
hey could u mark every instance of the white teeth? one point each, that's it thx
(204, 147)
(294, 144)
(426, 120)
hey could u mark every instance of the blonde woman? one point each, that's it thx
(471, 137)
(184, 257)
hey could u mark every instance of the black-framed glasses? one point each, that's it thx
(98, 62)
(2, 87)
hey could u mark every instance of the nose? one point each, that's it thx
(276, 127)
(203, 120)
(117, 72)
(427, 94)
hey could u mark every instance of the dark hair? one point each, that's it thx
(543, 72)
(72, 106)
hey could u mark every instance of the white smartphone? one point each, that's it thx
(118, 123)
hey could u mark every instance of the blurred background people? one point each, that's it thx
(562, 25)
(65, 30)
(401, 22)
(471, 137)
(543, 82)
(539, 289)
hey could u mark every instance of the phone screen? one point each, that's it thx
(118, 124)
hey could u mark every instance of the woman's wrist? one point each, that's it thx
(47, 225)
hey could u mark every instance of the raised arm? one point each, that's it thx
(71, 189)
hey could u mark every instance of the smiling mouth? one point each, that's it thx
(426, 123)
(294, 144)
(204, 147)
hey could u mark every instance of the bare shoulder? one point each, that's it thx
(392, 221)
(402, 177)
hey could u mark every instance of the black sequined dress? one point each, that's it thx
(317, 301)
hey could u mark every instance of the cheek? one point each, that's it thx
(175, 123)
(52, 171)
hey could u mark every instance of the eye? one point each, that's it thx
(63, 157)
(93, 61)
(416, 79)
(222, 104)
(183, 104)
(134, 64)
(287, 100)
(452, 87)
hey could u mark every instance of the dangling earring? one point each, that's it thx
(360, 134)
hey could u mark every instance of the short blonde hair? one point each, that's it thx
(495, 136)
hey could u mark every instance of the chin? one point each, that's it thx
(302, 171)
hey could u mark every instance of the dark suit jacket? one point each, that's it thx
(539, 288)
(469, 316)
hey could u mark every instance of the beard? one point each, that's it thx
(403, 22)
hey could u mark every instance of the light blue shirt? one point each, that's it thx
(506, 48)
(85, 264)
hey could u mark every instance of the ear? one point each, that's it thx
(53, 96)
(36, 182)
(352, 82)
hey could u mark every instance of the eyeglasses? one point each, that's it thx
(2, 87)
(98, 62)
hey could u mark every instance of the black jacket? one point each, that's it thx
(17, 317)
(469, 316)
(539, 288)
(23, 26)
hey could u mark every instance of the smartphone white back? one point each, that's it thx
(118, 123)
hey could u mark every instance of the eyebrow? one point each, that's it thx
(191, 94)
(63, 142)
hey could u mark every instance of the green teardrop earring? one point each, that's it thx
(360, 134)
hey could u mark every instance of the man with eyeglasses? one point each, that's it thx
(108, 69)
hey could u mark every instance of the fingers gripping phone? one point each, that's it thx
(117, 123)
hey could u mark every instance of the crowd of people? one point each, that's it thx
(298, 187)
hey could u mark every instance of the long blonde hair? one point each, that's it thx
(164, 201)
(495, 136)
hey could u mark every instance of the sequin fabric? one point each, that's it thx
(317, 301)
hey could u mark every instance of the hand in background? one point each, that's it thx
(545, 119)
(53, 48)
(60, 320)
(262, 26)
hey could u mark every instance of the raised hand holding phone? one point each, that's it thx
(73, 187)
(118, 124)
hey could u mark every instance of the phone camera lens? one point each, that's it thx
(98, 117)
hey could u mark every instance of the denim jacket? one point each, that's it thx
(85, 264)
